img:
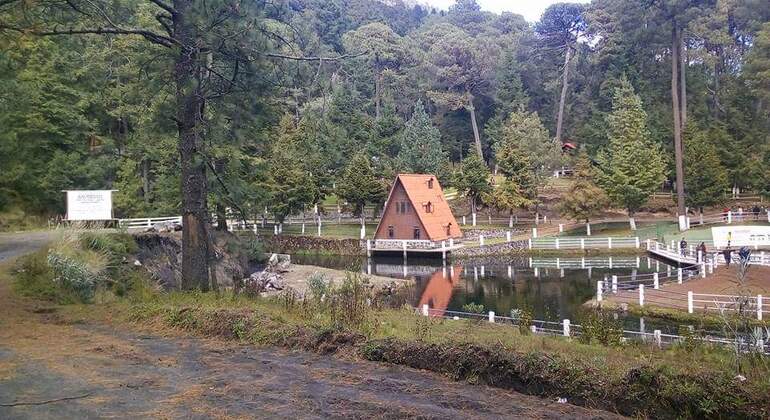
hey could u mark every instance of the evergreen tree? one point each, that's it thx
(359, 185)
(524, 131)
(515, 166)
(705, 179)
(631, 168)
(585, 199)
(291, 186)
(421, 145)
(472, 180)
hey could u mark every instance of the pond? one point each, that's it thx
(553, 289)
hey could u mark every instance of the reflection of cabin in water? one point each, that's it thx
(417, 218)
(438, 290)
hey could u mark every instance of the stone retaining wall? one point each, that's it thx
(293, 244)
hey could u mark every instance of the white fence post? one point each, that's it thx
(508, 236)
(655, 281)
(641, 295)
(533, 329)
(609, 243)
(529, 243)
(557, 243)
(565, 327)
(425, 310)
(491, 316)
(614, 284)
(534, 232)
(636, 242)
(599, 287)
(582, 243)
(588, 229)
(481, 240)
(703, 269)
(561, 227)
(689, 302)
(759, 307)
(463, 220)
(729, 217)
(679, 275)
(658, 339)
(403, 245)
(368, 248)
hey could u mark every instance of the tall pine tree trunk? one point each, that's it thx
(677, 121)
(476, 137)
(683, 79)
(563, 98)
(189, 118)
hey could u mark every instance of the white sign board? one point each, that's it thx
(741, 236)
(89, 205)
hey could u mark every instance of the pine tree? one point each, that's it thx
(632, 167)
(515, 166)
(359, 185)
(584, 199)
(705, 179)
(291, 186)
(472, 180)
(525, 131)
(421, 150)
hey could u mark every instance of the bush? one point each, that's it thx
(33, 278)
(72, 274)
(602, 327)
(255, 250)
(474, 308)
(116, 245)
(319, 285)
(349, 303)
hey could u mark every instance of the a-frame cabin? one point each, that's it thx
(417, 217)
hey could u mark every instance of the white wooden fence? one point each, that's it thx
(750, 342)
(148, 222)
(587, 242)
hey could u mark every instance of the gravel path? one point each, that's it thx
(19, 243)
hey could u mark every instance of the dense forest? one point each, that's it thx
(186, 106)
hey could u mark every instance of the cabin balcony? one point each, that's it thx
(414, 245)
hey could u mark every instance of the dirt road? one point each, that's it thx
(51, 369)
(19, 243)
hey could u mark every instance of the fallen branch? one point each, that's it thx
(46, 401)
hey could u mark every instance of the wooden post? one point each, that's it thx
(658, 339)
(641, 295)
(689, 302)
(599, 287)
(491, 316)
(655, 281)
(565, 327)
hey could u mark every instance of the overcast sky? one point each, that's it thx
(530, 9)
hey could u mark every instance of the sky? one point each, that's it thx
(530, 9)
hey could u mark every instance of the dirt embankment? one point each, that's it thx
(53, 368)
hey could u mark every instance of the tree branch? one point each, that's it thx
(164, 6)
(148, 35)
(304, 58)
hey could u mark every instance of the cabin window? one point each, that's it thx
(430, 183)
(391, 232)
(428, 207)
(449, 229)
(416, 232)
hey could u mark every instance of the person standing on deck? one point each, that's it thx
(683, 247)
(727, 254)
(702, 249)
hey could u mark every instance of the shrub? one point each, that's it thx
(255, 250)
(523, 317)
(602, 327)
(115, 245)
(474, 308)
(72, 274)
(33, 278)
(349, 303)
(318, 285)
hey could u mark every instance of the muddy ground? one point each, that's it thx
(52, 367)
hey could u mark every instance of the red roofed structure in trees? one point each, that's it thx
(416, 210)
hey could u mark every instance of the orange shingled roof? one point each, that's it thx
(434, 223)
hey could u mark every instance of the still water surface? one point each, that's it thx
(552, 289)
